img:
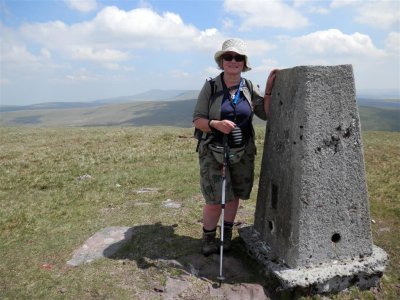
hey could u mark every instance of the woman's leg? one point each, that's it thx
(231, 209)
(211, 214)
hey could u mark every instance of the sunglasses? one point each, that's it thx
(229, 57)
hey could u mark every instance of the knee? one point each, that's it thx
(212, 208)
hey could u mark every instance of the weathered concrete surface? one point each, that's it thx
(312, 203)
(335, 276)
(312, 215)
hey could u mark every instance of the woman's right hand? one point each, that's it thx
(225, 126)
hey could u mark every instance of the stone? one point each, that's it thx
(312, 203)
(333, 276)
(169, 203)
(103, 243)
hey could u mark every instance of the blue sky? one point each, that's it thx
(83, 50)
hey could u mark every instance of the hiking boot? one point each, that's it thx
(209, 243)
(227, 238)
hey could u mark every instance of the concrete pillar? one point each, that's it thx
(312, 203)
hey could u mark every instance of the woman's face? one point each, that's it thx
(230, 64)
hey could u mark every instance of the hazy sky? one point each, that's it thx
(81, 50)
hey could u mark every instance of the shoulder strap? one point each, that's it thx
(214, 94)
(249, 85)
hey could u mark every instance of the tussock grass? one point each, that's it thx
(46, 211)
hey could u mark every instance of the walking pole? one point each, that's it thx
(224, 165)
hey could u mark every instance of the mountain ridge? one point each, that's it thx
(171, 108)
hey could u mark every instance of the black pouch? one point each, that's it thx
(234, 154)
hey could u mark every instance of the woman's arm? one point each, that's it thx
(268, 89)
(205, 125)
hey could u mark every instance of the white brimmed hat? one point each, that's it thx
(233, 45)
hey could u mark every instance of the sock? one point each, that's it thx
(228, 224)
(212, 230)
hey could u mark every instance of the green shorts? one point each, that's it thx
(239, 176)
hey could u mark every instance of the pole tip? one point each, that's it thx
(220, 279)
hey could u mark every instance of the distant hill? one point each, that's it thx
(379, 119)
(381, 103)
(151, 95)
(47, 105)
(144, 113)
(172, 108)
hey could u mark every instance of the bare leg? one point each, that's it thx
(231, 209)
(211, 214)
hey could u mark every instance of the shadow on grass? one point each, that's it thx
(158, 246)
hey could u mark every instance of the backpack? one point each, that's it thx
(200, 135)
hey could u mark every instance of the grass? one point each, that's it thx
(372, 118)
(46, 211)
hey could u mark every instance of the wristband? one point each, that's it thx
(209, 124)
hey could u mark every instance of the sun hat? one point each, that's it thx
(233, 45)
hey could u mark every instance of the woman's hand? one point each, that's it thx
(225, 126)
(271, 81)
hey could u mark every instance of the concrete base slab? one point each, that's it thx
(332, 277)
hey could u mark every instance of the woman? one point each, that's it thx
(226, 105)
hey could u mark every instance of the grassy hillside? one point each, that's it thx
(46, 211)
(175, 113)
(170, 113)
(375, 118)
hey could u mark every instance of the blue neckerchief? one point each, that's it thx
(237, 94)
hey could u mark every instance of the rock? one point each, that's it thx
(84, 177)
(242, 291)
(171, 204)
(147, 190)
(175, 286)
(104, 243)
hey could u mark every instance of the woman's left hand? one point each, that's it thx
(271, 81)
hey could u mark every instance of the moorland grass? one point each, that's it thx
(46, 211)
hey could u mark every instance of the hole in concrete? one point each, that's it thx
(301, 137)
(274, 196)
(319, 149)
(280, 103)
(301, 126)
(347, 133)
(271, 225)
(336, 237)
(294, 143)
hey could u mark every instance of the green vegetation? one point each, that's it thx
(376, 118)
(162, 113)
(46, 212)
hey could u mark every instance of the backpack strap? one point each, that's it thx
(214, 94)
(249, 85)
(200, 135)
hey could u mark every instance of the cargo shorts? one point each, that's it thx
(239, 176)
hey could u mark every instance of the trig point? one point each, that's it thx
(312, 224)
